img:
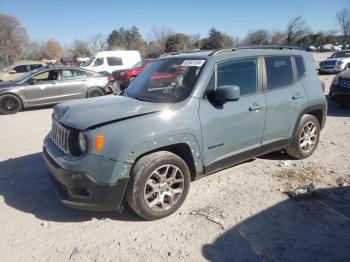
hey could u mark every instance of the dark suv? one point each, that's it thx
(220, 108)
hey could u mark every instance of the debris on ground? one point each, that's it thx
(284, 163)
(342, 181)
(75, 250)
(303, 192)
(210, 218)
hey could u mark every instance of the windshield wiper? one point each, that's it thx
(143, 99)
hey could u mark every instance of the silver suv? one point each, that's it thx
(185, 116)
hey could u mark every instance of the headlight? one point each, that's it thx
(340, 62)
(336, 80)
(82, 142)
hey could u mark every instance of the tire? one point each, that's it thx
(305, 133)
(146, 186)
(94, 92)
(10, 104)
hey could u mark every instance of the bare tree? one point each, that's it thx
(296, 29)
(259, 37)
(52, 50)
(278, 38)
(157, 39)
(97, 43)
(343, 18)
(13, 39)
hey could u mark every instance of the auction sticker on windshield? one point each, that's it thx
(197, 63)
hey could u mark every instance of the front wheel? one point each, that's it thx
(306, 138)
(10, 104)
(159, 185)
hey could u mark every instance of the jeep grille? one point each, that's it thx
(60, 136)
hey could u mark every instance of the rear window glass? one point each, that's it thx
(114, 61)
(279, 71)
(299, 62)
(33, 67)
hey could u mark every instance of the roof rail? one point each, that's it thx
(183, 52)
(278, 47)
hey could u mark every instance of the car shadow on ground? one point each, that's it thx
(37, 108)
(315, 229)
(25, 186)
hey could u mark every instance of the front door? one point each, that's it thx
(44, 88)
(233, 131)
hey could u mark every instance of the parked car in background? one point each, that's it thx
(220, 108)
(125, 77)
(19, 68)
(47, 86)
(339, 91)
(112, 60)
(337, 62)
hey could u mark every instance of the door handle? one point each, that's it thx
(297, 96)
(255, 107)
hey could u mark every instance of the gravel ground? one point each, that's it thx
(240, 214)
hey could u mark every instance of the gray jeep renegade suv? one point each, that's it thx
(185, 116)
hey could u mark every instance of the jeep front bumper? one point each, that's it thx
(78, 189)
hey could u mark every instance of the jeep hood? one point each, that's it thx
(94, 112)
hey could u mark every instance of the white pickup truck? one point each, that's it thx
(337, 62)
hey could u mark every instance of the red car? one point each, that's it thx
(124, 77)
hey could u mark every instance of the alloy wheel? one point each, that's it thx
(164, 188)
(308, 137)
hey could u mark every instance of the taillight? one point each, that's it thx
(110, 79)
(323, 87)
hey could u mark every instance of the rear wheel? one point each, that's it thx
(306, 138)
(94, 92)
(10, 104)
(159, 185)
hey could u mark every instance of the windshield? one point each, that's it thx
(341, 54)
(25, 75)
(91, 59)
(139, 64)
(168, 80)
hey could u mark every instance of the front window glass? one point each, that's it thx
(89, 62)
(51, 75)
(168, 80)
(21, 69)
(241, 73)
(341, 54)
(99, 61)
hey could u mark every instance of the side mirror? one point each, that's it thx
(227, 93)
(12, 72)
(32, 81)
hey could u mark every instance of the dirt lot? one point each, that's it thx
(239, 214)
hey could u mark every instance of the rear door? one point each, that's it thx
(285, 99)
(73, 83)
(233, 131)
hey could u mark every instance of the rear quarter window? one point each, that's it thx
(114, 61)
(279, 71)
(300, 66)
